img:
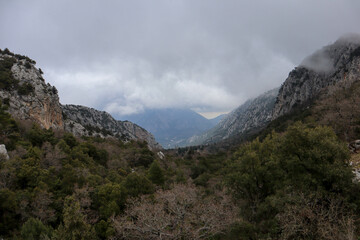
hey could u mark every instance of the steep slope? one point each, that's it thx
(339, 61)
(171, 127)
(86, 121)
(253, 114)
(25, 92)
(28, 97)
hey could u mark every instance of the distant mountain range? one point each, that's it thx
(172, 127)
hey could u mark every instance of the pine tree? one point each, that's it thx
(156, 174)
(75, 226)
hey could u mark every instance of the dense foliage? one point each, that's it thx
(302, 165)
(56, 186)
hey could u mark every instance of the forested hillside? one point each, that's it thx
(294, 185)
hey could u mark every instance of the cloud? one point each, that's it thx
(125, 56)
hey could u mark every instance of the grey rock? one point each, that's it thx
(337, 62)
(85, 121)
(254, 113)
(3, 152)
(42, 105)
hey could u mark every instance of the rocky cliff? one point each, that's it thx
(337, 62)
(28, 97)
(84, 121)
(24, 90)
(253, 114)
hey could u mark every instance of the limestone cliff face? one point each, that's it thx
(40, 104)
(84, 121)
(253, 114)
(334, 63)
(28, 97)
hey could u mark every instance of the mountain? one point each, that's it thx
(328, 70)
(337, 62)
(87, 121)
(24, 90)
(28, 97)
(171, 127)
(253, 114)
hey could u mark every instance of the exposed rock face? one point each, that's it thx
(84, 121)
(28, 97)
(326, 67)
(41, 105)
(3, 152)
(254, 113)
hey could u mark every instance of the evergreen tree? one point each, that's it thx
(156, 174)
(75, 226)
(34, 229)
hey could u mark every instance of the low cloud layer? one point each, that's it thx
(125, 56)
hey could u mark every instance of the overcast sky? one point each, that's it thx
(207, 55)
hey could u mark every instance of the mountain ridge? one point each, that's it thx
(28, 97)
(333, 63)
(254, 113)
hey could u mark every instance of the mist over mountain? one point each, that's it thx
(171, 127)
(337, 62)
(318, 74)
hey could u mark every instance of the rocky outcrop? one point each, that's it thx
(28, 96)
(253, 114)
(84, 121)
(3, 152)
(337, 62)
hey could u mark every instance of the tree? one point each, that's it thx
(340, 109)
(74, 225)
(313, 218)
(306, 160)
(136, 184)
(110, 199)
(156, 174)
(34, 229)
(179, 213)
(8, 211)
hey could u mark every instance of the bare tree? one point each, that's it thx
(340, 109)
(313, 218)
(179, 213)
(41, 206)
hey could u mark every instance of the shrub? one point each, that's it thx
(25, 88)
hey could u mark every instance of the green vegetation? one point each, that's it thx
(53, 184)
(286, 169)
(292, 180)
(56, 186)
(7, 81)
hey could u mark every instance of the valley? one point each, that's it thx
(276, 167)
